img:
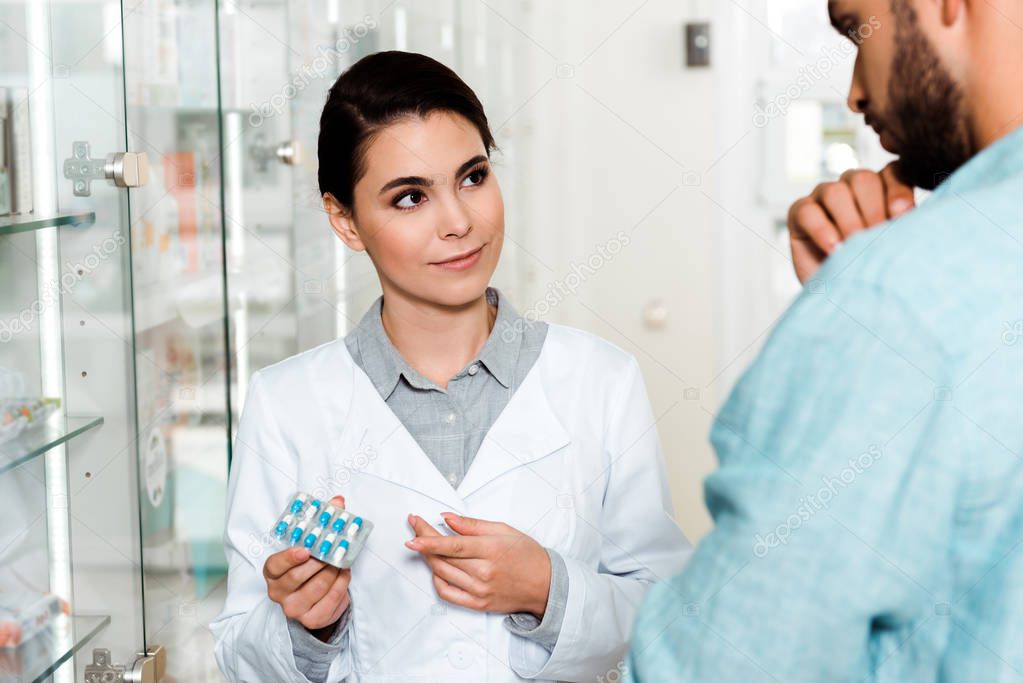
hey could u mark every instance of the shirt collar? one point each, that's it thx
(379, 359)
(500, 354)
(385, 366)
(999, 161)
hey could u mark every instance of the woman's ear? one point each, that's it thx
(341, 221)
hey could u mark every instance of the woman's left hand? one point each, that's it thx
(487, 567)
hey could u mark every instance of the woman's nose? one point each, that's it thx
(457, 221)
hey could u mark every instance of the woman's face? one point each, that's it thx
(428, 210)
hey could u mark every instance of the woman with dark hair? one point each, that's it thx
(532, 446)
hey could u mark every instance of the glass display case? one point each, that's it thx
(112, 297)
(161, 238)
(68, 477)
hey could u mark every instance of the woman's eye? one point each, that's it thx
(410, 200)
(474, 178)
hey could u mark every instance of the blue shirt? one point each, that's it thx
(869, 502)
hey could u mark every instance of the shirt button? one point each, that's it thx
(473, 369)
(451, 418)
(458, 655)
(452, 478)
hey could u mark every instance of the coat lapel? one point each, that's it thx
(372, 440)
(526, 430)
(391, 452)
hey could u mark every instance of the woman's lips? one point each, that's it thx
(461, 262)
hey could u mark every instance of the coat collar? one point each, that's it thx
(372, 440)
(385, 366)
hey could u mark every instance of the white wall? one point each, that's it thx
(606, 138)
(614, 136)
(605, 132)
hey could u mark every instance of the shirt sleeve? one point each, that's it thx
(313, 656)
(833, 505)
(545, 631)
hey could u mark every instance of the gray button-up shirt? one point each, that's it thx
(449, 425)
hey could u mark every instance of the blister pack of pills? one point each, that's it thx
(330, 533)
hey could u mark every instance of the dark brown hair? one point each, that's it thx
(379, 90)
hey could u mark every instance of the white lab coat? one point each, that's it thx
(574, 461)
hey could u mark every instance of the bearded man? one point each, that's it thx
(869, 502)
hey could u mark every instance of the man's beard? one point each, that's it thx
(926, 115)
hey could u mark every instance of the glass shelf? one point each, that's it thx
(40, 656)
(35, 441)
(24, 223)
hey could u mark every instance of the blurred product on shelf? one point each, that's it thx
(23, 614)
(15, 152)
(18, 412)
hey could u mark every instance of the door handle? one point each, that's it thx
(148, 667)
(125, 169)
(289, 152)
(262, 152)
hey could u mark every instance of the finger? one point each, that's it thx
(421, 527)
(899, 196)
(338, 501)
(454, 576)
(455, 595)
(294, 578)
(471, 526)
(448, 546)
(473, 566)
(809, 222)
(806, 259)
(309, 593)
(837, 200)
(868, 192)
(278, 564)
(329, 608)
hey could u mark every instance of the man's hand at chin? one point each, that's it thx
(835, 211)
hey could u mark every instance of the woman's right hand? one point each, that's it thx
(313, 593)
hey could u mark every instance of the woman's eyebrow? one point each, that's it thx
(415, 180)
(420, 181)
(478, 159)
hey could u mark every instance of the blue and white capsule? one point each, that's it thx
(298, 503)
(299, 531)
(339, 552)
(310, 538)
(341, 521)
(354, 527)
(286, 520)
(326, 545)
(328, 514)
